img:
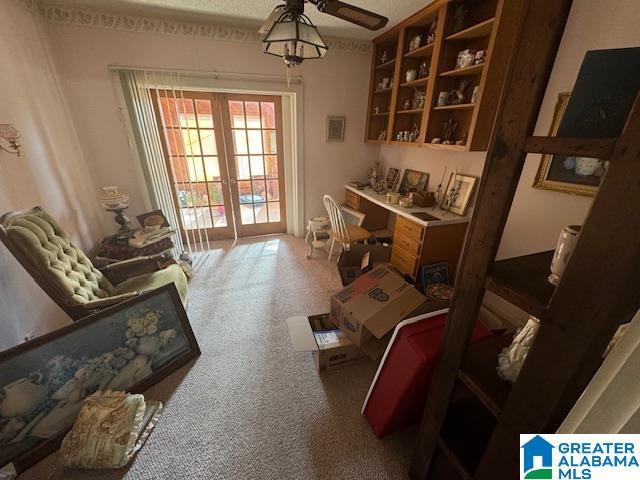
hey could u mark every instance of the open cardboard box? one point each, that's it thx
(330, 347)
(360, 259)
(368, 309)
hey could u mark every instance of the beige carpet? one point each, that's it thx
(250, 407)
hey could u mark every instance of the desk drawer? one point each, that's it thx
(403, 261)
(407, 243)
(408, 228)
(351, 199)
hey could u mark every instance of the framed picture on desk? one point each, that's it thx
(352, 217)
(413, 181)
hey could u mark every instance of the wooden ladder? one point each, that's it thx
(599, 288)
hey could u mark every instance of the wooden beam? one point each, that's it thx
(584, 311)
(537, 30)
(573, 147)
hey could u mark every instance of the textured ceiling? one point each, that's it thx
(247, 13)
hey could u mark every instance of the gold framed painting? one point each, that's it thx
(574, 175)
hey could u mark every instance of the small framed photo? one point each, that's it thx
(435, 273)
(464, 186)
(392, 178)
(413, 181)
(153, 220)
(352, 217)
(335, 129)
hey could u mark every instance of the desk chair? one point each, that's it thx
(345, 234)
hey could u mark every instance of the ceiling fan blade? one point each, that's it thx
(271, 19)
(352, 14)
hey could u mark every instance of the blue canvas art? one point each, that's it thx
(43, 383)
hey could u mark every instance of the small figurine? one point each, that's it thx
(407, 104)
(383, 135)
(384, 57)
(373, 175)
(449, 131)
(459, 14)
(423, 70)
(376, 109)
(457, 96)
(481, 57)
(431, 36)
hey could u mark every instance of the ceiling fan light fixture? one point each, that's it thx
(294, 38)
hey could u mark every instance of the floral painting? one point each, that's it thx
(44, 382)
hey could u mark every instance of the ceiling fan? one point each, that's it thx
(289, 33)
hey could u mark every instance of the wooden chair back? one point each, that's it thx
(338, 225)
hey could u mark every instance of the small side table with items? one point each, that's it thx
(317, 236)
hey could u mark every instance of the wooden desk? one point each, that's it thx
(416, 242)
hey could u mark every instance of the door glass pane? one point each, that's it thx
(246, 214)
(199, 194)
(208, 141)
(215, 194)
(236, 111)
(193, 218)
(268, 114)
(272, 166)
(257, 167)
(274, 211)
(240, 142)
(188, 218)
(242, 166)
(259, 191)
(212, 167)
(204, 217)
(179, 169)
(270, 143)
(205, 115)
(255, 141)
(273, 190)
(196, 170)
(219, 216)
(183, 191)
(174, 142)
(191, 141)
(253, 114)
(260, 210)
(169, 114)
(186, 113)
(244, 192)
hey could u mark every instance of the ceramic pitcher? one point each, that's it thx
(566, 243)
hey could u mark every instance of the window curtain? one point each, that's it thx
(142, 88)
(611, 402)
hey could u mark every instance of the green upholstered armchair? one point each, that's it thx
(67, 275)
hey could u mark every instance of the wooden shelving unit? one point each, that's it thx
(578, 317)
(483, 29)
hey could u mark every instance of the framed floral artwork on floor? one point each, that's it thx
(43, 383)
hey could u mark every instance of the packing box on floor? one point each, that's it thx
(368, 309)
(330, 347)
(359, 259)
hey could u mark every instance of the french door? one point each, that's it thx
(225, 162)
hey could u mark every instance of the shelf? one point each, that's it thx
(416, 83)
(384, 90)
(461, 72)
(386, 64)
(381, 114)
(523, 282)
(407, 144)
(460, 106)
(439, 146)
(479, 30)
(466, 432)
(421, 52)
(410, 112)
(478, 372)
(372, 140)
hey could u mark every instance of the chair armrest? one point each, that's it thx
(108, 301)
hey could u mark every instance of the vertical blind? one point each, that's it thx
(142, 88)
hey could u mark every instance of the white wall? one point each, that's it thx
(336, 85)
(50, 172)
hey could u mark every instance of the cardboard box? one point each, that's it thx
(329, 346)
(368, 309)
(360, 259)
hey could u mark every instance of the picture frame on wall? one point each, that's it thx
(465, 186)
(335, 128)
(413, 181)
(392, 178)
(568, 174)
(128, 347)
